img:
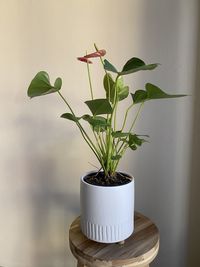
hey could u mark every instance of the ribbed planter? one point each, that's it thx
(107, 211)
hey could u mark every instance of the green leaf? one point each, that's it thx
(133, 63)
(116, 157)
(98, 123)
(136, 64)
(119, 134)
(109, 84)
(40, 85)
(135, 141)
(154, 92)
(145, 67)
(139, 96)
(70, 117)
(109, 67)
(58, 83)
(123, 93)
(99, 106)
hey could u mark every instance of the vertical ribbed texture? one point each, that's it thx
(106, 233)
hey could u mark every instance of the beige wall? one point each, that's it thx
(42, 156)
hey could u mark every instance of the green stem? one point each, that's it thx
(140, 107)
(83, 133)
(110, 139)
(126, 115)
(134, 121)
(90, 81)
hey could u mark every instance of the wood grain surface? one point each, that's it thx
(138, 250)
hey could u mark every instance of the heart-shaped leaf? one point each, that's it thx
(98, 123)
(40, 85)
(109, 67)
(154, 92)
(139, 96)
(136, 64)
(58, 83)
(99, 106)
(70, 117)
(133, 63)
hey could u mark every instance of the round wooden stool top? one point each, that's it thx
(138, 250)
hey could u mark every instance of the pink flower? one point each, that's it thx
(84, 59)
(99, 53)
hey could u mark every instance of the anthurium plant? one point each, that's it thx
(105, 139)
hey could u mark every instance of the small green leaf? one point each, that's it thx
(70, 117)
(99, 106)
(119, 134)
(139, 96)
(40, 85)
(98, 123)
(109, 86)
(154, 92)
(58, 83)
(109, 67)
(123, 93)
(135, 141)
(116, 157)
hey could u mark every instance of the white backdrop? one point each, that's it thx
(43, 156)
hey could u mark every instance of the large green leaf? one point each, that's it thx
(40, 85)
(144, 67)
(99, 106)
(133, 63)
(109, 67)
(154, 92)
(136, 64)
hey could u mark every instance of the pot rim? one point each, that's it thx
(110, 186)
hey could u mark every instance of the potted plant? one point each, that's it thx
(107, 195)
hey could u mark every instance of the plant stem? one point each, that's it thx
(90, 81)
(124, 146)
(110, 138)
(138, 112)
(84, 134)
(126, 115)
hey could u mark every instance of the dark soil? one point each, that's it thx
(99, 178)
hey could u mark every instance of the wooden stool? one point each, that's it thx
(139, 249)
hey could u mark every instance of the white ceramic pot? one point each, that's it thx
(107, 212)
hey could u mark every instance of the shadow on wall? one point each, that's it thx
(51, 211)
(194, 210)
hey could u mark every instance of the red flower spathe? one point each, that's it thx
(99, 53)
